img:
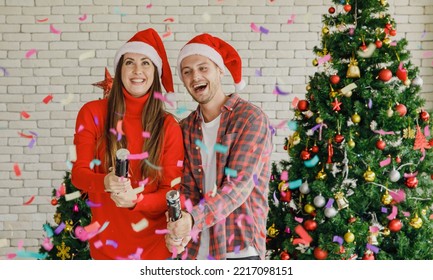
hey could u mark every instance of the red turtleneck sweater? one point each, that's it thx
(120, 239)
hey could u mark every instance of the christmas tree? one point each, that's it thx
(68, 239)
(357, 181)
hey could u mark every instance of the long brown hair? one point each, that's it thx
(152, 119)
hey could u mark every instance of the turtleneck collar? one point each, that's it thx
(134, 105)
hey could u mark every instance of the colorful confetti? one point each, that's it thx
(175, 181)
(54, 30)
(47, 99)
(140, 225)
(72, 196)
(17, 170)
(138, 156)
(94, 162)
(83, 17)
(145, 134)
(25, 115)
(42, 20)
(278, 91)
(291, 19)
(5, 72)
(31, 52)
(168, 33)
(169, 19)
(28, 202)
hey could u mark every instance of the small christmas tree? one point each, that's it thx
(357, 184)
(64, 241)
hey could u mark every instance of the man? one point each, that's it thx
(227, 160)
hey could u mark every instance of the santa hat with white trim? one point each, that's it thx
(217, 50)
(149, 43)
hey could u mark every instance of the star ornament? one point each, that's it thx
(336, 105)
(105, 84)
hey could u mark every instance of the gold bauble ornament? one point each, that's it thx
(349, 237)
(315, 62)
(283, 186)
(308, 87)
(386, 232)
(353, 70)
(321, 175)
(325, 30)
(319, 120)
(351, 143)
(308, 208)
(58, 218)
(272, 231)
(386, 41)
(416, 222)
(356, 118)
(386, 198)
(369, 175)
(383, 2)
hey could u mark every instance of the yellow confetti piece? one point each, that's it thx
(175, 181)
(140, 225)
(71, 196)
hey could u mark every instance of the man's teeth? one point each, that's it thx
(199, 85)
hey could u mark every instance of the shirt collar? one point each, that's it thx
(228, 106)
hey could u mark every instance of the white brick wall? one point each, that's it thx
(284, 56)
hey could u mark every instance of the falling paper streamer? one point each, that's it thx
(145, 134)
(201, 145)
(264, 30)
(179, 163)
(385, 162)
(220, 148)
(111, 243)
(98, 244)
(284, 175)
(141, 156)
(94, 162)
(168, 33)
(278, 91)
(31, 52)
(140, 225)
(28, 202)
(148, 6)
(86, 55)
(291, 19)
(181, 110)
(5, 71)
(25, 115)
(54, 30)
(31, 255)
(160, 96)
(324, 59)
(67, 100)
(72, 196)
(258, 72)
(393, 213)
(169, 19)
(162, 231)
(83, 17)
(372, 248)
(48, 99)
(305, 237)
(175, 181)
(254, 27)
(143, 183)
(92, 204)
(17, 170)
(42, 20)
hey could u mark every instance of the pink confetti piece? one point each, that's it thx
(385, 162)
(143, 182)
(169, 19)
(295, 102)
(373, 229)
(42, 20)
(231, 238)
(48, 99)
(324, 59)
(427, 131)
(299, 219)
(17, 170)
(393, 213)
(291, 19)
(168, 33)
(11, 256)
(54, 30)
(179, 163)
(96, 120)
(83, 17)
(98, 244)
(80, 128)
(410, 175)
(393, 43)
(31, 52)
(148, 6)
(284, 175)
(398, 195)
(145, 134)
(278, 91)
(143, 155)
(254, 27)
(162, 231)
(119, 127)
(185, 254)
(383, 132)
(95, 226)
(25, 115)
(160, 96)
(28, 202)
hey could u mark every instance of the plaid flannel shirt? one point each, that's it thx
(236, 211)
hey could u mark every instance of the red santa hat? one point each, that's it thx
(217, 50)
(149, 43)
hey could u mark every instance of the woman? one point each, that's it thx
(133, 118)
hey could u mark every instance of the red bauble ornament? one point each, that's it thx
(388, 26)
(286, 196)
(423, 115)
(393, 32)
(397, 159)
(305, 154)
(378, 44)
(285, 147)
(351, 219)
(310, 225)
(54, 201)
(401, 109)
(331, 10)
(363, 47)
(320, 254)
(401, 74)
(380, 144)
(338, 138)
(284, 256)
(303, 105)
(395, 225)
(315, 149)
(369, 256)
(347, 8)
(335, 79)
(385, 75)
(411, 182)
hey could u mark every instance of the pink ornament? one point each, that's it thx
(81, 233)
(75, 209)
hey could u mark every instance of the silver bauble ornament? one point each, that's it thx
(319, 201)
(394, 175)
(417, 81)
(330, 212)
(304, 188)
